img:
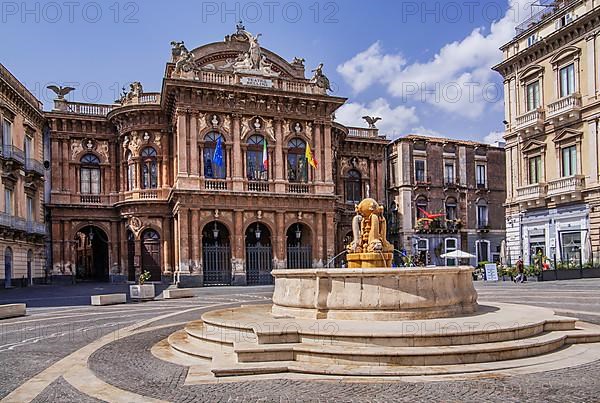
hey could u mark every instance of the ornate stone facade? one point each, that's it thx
(22, 221)
(207, 182)
(552, 109)
(446, 195)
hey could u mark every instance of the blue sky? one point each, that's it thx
(424, 66)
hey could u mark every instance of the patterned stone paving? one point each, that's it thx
(31, 344)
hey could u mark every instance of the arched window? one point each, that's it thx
(353, 187)
(482, 214)
(451, 209)
(149, 168)
(215, 165)
(130, 172)
(421, 205)
(256, 169)
(296, 161)
(89, 177)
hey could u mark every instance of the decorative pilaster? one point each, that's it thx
(237, 160)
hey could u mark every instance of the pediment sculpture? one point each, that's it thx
(253, 61)
(184, 60)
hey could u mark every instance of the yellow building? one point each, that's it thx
(22, 228)
(551, 86)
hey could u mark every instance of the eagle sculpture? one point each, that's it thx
(371, 121)
(60, 91)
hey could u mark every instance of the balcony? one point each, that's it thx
(532, 195)
(34, 166)
(567, 189)
(568, 107)
(422, 181)
(300, 188)
(36, 228)
(12, 153)
(22, 225)
(216, 184)
(258, 186)
(451, 183)
(90, 199)
(532, 121)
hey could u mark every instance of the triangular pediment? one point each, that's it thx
(567, 134)
(533, 145)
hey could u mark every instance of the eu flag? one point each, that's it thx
(218, 156)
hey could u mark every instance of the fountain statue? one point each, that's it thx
(369, 248)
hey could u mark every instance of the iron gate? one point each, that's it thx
(299, 257)
(259, 263)
(216, 264)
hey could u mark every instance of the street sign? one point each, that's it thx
(491, 272)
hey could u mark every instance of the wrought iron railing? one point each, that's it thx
(11, 152)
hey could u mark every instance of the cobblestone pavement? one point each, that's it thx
(29, 345)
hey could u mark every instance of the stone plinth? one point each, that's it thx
(374, 294)
(369, 260)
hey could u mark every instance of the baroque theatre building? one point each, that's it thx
(234, 168)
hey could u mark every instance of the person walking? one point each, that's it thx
(521, 270)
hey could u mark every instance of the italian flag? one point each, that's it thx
(310, 158)
(265, 160)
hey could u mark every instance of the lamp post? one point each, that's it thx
(298, 234)
(576, 249)
(215, 231)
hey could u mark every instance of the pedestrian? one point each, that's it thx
(520, 270)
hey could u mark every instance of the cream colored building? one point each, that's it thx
(22, 228)
(551, 73)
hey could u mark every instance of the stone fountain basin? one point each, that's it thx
(374, 294)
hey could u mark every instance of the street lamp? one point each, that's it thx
(298, 232)
(257, 232)
(91, 234)
(576, 248)
(215, 231)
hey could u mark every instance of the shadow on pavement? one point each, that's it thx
(46, 296)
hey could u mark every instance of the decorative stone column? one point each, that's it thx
(280, 241)
(193, 162)
(279, 158)
(196, 258)
(238, 252)
(181, 143)
(166, 241)
(238, 159)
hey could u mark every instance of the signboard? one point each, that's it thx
(491, 272)
(256, 82)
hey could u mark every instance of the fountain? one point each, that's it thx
(374, 320)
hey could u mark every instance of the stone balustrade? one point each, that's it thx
(570, 184)
(530, 119)
(531, 192)
(565, 105)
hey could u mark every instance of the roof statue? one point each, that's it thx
(183, 59)
(319, 78)
(253, 61)
(60, 91)
(371, 121)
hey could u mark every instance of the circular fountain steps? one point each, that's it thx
(249, 340)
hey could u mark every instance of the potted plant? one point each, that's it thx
(142, 291)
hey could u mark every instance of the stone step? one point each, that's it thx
(182, 342)
(217, 336)
(489, 327)
(412, 356)
(564, 356)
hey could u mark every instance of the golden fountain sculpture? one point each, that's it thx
(369, 248)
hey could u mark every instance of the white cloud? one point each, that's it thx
(457, 79)
(394, 121)
(423, 131)
(369, 67)
(493, 137)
